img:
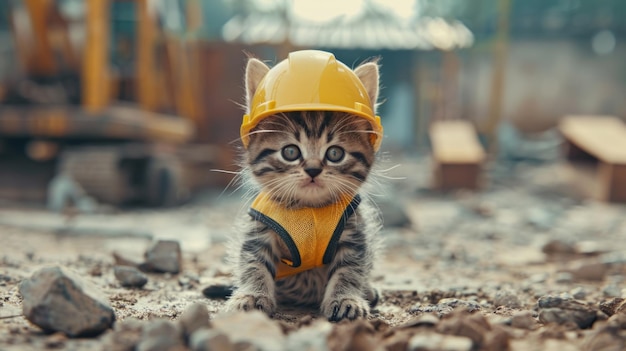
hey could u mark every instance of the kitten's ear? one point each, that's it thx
(255, 71)
(368, 74)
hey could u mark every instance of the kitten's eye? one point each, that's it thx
(334, 154)
(291, 153)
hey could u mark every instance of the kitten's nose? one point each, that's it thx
(313, 172)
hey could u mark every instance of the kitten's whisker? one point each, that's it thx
(389, 169)
(261, 131)
(224, 171)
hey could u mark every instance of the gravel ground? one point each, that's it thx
(526, 264)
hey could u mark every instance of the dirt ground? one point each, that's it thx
(495, 253)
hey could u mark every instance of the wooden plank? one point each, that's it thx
(457, 155)
(95, 75)
(612, 178)
(601, 139)
(455, 142)
(604, 137)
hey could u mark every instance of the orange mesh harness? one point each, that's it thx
(310, 234)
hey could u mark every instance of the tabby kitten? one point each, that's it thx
(307, 160)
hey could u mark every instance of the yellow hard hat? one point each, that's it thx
(311, 80)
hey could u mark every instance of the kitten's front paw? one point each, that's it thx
(345, 308)
(248, 302)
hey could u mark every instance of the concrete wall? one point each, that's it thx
(546, 80)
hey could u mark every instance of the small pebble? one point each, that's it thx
(164, 256)
(130, 277)
(524, 320)
(194, 317)
(438, 342)
(579, 293)
(161, 335)
(612, 290)
(588, 270)
(210, 340)
(253, 327)
(507, 299)
(564, 277)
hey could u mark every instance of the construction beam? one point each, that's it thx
(41, 59)
(95, 76)
(147, 77)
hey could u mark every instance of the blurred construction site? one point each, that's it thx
(136, 102)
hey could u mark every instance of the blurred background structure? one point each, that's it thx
(135, 101)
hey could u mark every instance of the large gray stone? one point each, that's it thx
(57, 300)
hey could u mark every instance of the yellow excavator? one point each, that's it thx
(101, 93)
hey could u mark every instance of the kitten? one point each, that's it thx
(307, 161)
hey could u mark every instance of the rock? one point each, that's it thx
(524, 320)
(612, 290)
(57, 300)
(564, 278)
(613, 258)
(164, 328)
(592, 248)
(164, 256)
(394, 214)
(507, 299)
(209, 340)
(253, 327)
(559, 247)
(541, 218)
(555, 309)
(218, 291)
(446, 306)
(160, 344)
(473, 326)
(614, 306)
(607, 338)
(618, 320)
(56, 340)
(161, 334)
(588, 270)
(398, 340)
(124, 260)
(497, 340)
(357, 335)
(195, 317)
(311, 337)
(424, 320)
(125, 336)
(579, 293)
(436, 342)
(130, 277)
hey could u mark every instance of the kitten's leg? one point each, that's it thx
(255, 286)
(372, 295)
(348, 273)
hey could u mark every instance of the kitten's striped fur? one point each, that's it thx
(341, 289)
